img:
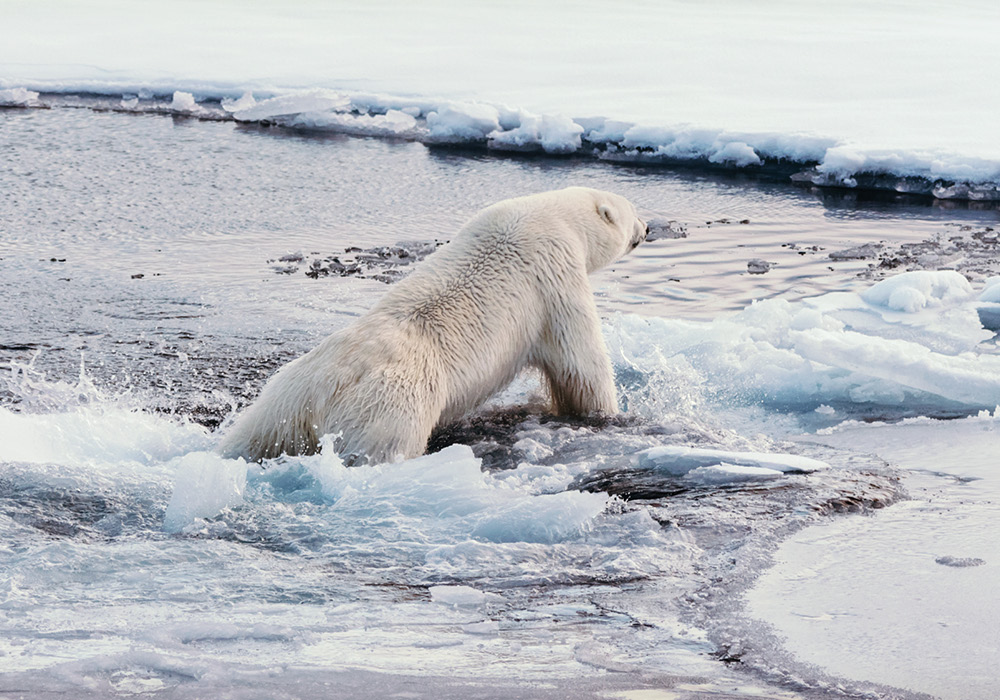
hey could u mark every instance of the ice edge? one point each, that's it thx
(803, 158)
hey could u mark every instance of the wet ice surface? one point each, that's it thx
(930, 549)
(543, 557)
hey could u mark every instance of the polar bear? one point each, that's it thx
(509, 291)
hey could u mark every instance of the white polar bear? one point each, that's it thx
(510, 291)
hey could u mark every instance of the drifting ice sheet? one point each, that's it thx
(679, 460)
(837, 349)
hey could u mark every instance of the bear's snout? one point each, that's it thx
(640, 237)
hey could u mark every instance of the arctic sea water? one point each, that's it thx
(841, 399)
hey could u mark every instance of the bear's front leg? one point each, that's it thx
(573, 356)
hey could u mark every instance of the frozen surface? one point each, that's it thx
(915, 291)
(681, 460)
(840, 91)
(841, 349)
(206, 485)
(906, 596)
(18, 97)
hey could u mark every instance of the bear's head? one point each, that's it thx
(612, 227)
(609, 224)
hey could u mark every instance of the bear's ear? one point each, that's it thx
(607, 213)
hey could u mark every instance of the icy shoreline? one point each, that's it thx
(803, 158)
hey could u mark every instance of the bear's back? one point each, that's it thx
(480, 301)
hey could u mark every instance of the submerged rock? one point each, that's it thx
(382, 263)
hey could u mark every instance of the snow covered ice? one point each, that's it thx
(768, 85)
(18, 97)
(880, 347)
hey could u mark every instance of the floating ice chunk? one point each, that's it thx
(129, 101)
(861, 252)
(988, 308)
(553, 134)
(834, 348)
(206, 484)
(451, 487)
(392, 123)
(665, 228)
(18, 97)
(948, 328)
(679, 460)
(449, 483)
(602, 130)
(730, 473)
(736, 152)
(544, 518)
(184, 102)
(289, 105)
(966, 378)
(246, 101)
(989, 316)
(991, 291)
(459, 596)
(486, 627)
(463, 121)
(913, 291)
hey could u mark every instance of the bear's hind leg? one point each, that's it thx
(394, 422)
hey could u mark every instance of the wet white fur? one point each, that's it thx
(509, 291)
